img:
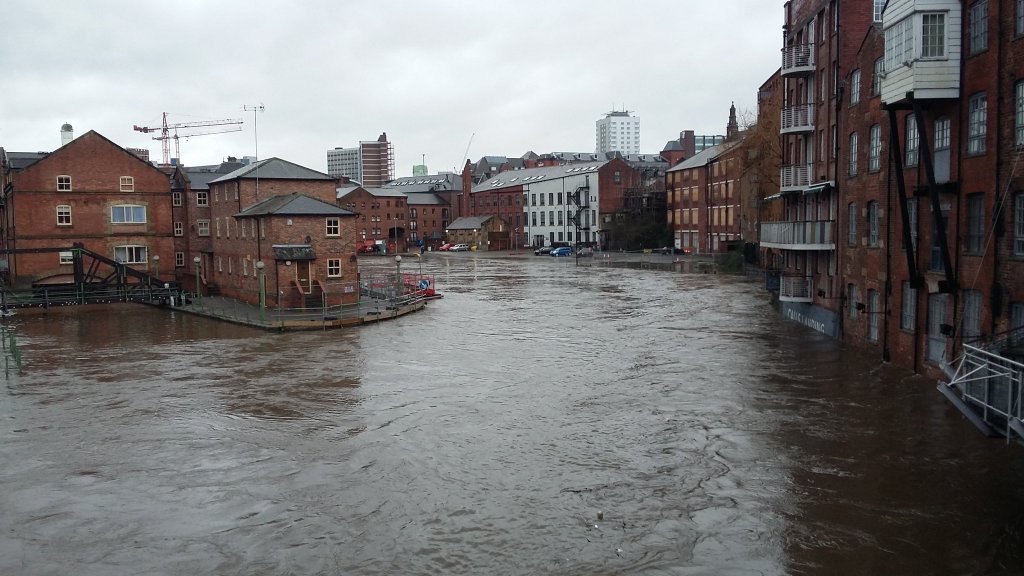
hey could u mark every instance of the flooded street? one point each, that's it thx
(540, 419)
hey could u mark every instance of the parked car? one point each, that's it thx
(459, 248)
(669, 250)
(543, 250)
(562, 251)
(585, 252)
(445, 247)
(367, 249)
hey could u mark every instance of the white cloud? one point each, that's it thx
(517, 76)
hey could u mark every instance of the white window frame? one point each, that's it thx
(851, 224)
(333, 227)
(852, 169)
(179, 259)
(877, 13)
(875, 148)
(179, 228)
(65, 258)
(874, 314)
(133, 254)
(202, 198)
(933, 35)
(334, 267)
(128, 214)
(912, 143)
(978, 27)
(63, 215)
(855, 87)
(176, 198)
(127, 184)
(1018, 124)
(941, 139)
(876, 76)
(873, 234)
(63, 183)
(202, 228)
(977, 123)
(1018, 224)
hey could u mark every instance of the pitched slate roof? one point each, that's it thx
(293, 205)
(431, 183)
(425, 199)
(704, 156)
(276, 169)
(18, 160)
(469, 223)
(528, 175)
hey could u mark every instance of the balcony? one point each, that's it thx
(796, 289)
(795, 178)
(804, 235)
(798, 60)
(797, 119)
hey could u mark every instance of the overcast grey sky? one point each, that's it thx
(513, 76)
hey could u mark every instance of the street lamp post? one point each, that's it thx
(199, 292)
(156, 267)
(398, 277)
(262, 287)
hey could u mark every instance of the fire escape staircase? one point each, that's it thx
(580, 198)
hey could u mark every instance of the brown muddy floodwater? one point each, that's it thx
(486, 434)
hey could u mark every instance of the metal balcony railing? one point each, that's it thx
(796, 289)
(806, 235)
(797, 119)
(991, 384)
(795, 178)
(798, 59)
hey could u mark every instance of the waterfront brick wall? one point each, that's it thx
(1008, 281)
(96, 175)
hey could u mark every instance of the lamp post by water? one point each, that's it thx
(263, 287)
(156, 267)
(398, 277)
(199, 293)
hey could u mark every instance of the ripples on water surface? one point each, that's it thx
(484, 435)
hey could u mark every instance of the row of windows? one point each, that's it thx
(333, 265)
(586, 218)
(119, 214)
(127, 183)
(127, 254)
(912, 143)
(975, 236)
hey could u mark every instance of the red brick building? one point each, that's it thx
(284, 216)
(382, 217)
(704, 199)
(89, 191)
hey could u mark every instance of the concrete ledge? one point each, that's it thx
(953, 396)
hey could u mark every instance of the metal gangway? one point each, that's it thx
(988, 386)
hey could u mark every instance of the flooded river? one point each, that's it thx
(540, 419)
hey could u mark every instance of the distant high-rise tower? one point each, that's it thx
(67, 134)
(618, 131)
(372, 163)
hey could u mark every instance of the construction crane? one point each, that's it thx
(235, 125)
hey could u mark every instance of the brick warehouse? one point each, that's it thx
(914, 244)
(285, 216)
(90, 191)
